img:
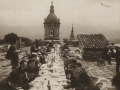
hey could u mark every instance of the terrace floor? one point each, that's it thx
(107, 71)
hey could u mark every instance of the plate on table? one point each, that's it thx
(44, 71)
(44, 66)
(59, 80)
(63, 83)
(55, 75)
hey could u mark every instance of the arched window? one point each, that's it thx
(51, 32)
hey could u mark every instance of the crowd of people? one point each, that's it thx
(25, 71)
(113, 53)
(75, 73)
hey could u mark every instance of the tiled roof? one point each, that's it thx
(92, 40)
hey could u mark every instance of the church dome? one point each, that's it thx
(51, 17)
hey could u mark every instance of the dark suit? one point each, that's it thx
(4, 85)
(42, 60)
(20, 70)
(10, 52)
(77, 83)
(35, 69)
(117, 60)
(14, 61)
(33, 49)
(24, 82)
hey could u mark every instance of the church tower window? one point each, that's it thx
(51, 25)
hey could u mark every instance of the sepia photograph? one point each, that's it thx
(59, 44)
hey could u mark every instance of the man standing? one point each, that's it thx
(116, 81)
(10, 52)
(14, 61)
(117, 59)
(109, 55)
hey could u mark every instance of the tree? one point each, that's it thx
(11, 38)
(27, 41)
(1, 41)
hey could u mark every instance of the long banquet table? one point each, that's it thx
(55, 74)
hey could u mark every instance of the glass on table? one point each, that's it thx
(33, 88)
(19, 88)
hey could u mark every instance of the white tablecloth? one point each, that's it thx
(57, 78)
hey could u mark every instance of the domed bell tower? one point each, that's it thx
(51, 25)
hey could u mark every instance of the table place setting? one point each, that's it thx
(52, 74)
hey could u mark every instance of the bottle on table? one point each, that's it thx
(49, 86)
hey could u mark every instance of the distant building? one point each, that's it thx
(51, 25)
(72, 34)
(92, 45)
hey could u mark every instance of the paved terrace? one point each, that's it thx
(103, 73)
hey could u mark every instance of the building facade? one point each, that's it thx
(51, 25)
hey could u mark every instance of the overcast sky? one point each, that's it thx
(26, 17)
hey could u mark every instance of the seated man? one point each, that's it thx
(68, 64)
(86, 84)
(31, 65)
(33, 48)
(35, 58)
(11, 82)
(42, 58)
(77, 72)
(43, 49)
(80, 80)
(22, 67)
(26, 78)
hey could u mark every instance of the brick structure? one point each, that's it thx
(51, 25)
